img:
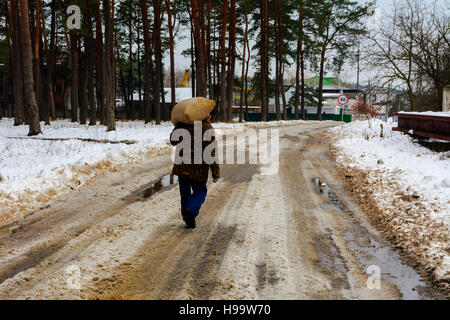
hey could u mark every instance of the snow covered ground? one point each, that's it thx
(33, 170)
(67, 155)
(409, 184)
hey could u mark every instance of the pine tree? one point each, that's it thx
(19, 116)
(148, 74)
(336, 27)
(31, 109)
(109, 66)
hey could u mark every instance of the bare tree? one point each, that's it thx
(396, 61)
(411, 50)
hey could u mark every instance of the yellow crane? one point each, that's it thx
(185, 79)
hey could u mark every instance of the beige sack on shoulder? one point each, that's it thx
(193, 109)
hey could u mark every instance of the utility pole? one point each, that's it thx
(387, 101)
(357, 74)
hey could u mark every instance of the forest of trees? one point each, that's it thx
(119, 48)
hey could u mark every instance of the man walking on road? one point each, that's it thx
(192, 178)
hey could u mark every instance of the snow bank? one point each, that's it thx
(33, 171)
(417, 168)
(64, 129)
(409, 184)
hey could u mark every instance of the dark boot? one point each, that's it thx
(189, 218)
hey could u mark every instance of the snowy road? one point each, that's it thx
(295, 235)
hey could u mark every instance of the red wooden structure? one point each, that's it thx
(424, 125)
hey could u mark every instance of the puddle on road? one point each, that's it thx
(331, 262)
(392, 269)
(333, 201)
(160, 185)
(292, 138)
(370, 252)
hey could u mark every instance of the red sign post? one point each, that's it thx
(343, 99)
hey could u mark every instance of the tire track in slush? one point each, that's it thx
(47, 221)
(178, 262)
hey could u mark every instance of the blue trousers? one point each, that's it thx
(193, 194)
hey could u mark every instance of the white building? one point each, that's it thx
(446, 99)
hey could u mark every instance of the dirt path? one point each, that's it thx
(295, 235)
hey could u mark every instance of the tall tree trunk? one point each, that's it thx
(130, 69)
(277, 58)
(199, 48)
(158, 60)
(27, 56)
(19, 117)
(121, 76)
(8, 77)
(297, 80)
(246, 77)
(109, 69)
(193, 67)
(147, 60)
(223, 74)
(90, 51)
(171, 23)
(84, 100)
(139, 73)
(322, 70)
(208, 51)
(263, 58)
(302, 64)
(300, 67)
(36, 60)
(99, 72)
(51, 59)
(203, 39)
(281, 61)
(302, 97)
(232, 59)
(84, 95)
(244, 51)
(216, 59)
(47, 106)
(283, 94)
(75, 75)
